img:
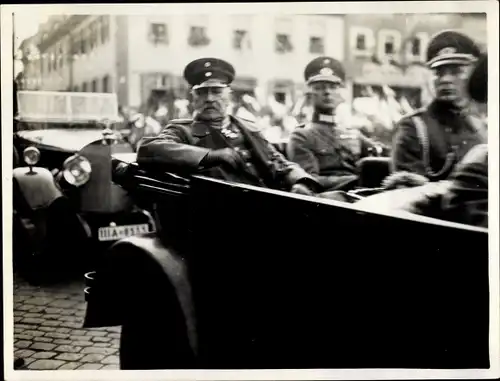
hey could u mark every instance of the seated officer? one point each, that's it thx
(326, 150)
(463, 196)
(430, 141)
(219, 145)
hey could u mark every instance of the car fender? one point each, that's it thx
(111, 291)
(37, 186)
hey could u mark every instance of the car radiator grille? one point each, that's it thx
(100, 194)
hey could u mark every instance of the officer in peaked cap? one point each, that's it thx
(324, 69)
(463, 197)
(325, 147)
(209, 72)
(451, 48)
(217, 144)
(430, 141)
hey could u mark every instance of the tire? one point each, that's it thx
(154, 332)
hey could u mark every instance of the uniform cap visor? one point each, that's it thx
(324, 78)
(205, 85)
(451, 59)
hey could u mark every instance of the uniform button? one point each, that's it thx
(248, 164)
(464, 142)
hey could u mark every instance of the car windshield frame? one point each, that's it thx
(37, 125)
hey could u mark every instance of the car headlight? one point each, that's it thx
(77, 170)
(31, 156)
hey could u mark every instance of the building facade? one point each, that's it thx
(390, 49)
(136, 56)
(141, 58)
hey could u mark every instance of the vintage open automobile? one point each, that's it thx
(66, 208)
(241, 277)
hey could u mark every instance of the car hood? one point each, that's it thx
(62, 139)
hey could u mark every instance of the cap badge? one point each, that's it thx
(326, 71)
(207, 64)
(208, 74)
(446, 51)
(326, 61)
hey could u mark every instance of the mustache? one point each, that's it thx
(211, 106)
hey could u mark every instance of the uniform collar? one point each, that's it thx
(323, 117)
(456, 117)
(200, 127)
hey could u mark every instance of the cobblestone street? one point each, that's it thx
(48, 333)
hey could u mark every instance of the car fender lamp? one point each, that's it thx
(31, 156)
(77, 170)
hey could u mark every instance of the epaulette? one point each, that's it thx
(181, 121)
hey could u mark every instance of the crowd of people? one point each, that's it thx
(375, 113)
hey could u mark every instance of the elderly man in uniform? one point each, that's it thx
(219, 145)
(429, 142)
(325, 148)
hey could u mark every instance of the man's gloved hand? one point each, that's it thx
(300, 188)
(226, 156)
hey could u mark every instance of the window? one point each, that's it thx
(362, 41)
(241, 25)
(84, 87)
(389, 45)
(198, 36)
(94, 86)
(241, 40)
(316, 45)
(105, 84)
(283, 43)
(415, 46)
(158, 33)
(280, 97)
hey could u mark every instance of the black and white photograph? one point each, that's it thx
(223, 191)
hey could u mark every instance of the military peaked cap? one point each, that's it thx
(451, 47)
(324, 69)
(209, 72)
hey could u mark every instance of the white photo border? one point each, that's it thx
(374, 7)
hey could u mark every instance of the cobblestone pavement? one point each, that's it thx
(48, 333)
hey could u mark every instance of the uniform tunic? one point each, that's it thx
(462, 198)
(182, 145)
(329, 152)
(467, 199)
(447, 132)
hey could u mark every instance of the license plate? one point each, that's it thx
(114, 233)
